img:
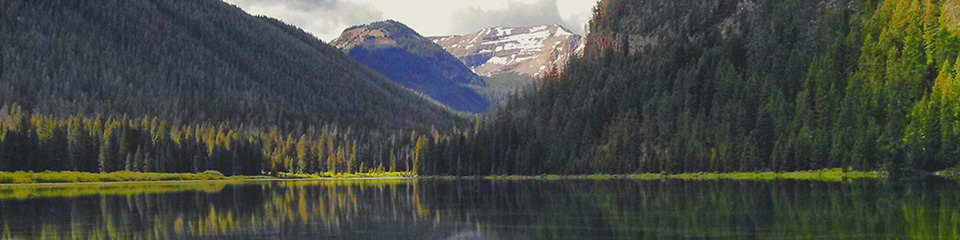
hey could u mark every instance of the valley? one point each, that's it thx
(662, 119)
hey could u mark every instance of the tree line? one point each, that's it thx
(34, 142)
(663, 86)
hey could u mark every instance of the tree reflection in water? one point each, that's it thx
(481, 209)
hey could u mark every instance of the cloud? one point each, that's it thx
(541, 12)
(324, 18)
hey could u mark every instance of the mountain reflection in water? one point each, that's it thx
(482, 209)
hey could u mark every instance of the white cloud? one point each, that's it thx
(327, 18)
(541, 12)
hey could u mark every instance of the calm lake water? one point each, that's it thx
(482, 209)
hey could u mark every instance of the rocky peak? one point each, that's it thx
(403, 55)
(376, 34)
(521, 50)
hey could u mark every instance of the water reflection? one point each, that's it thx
(478, 209)
(285, 209)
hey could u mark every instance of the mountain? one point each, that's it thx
(517, 50)
(403, 55)
(669, 86)
(191, 62)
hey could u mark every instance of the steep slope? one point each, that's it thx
(737, 85)
(191, 61)
(401, 54)
(515, 50)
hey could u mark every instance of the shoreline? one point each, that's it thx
(823, 175)
(69, 178)
(185, 182)
(98, 184)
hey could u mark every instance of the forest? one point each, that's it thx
(34, 142)
(663, 87)
(189, 86)
(725, 85)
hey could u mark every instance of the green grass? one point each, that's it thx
(348, 175)
(28, 191)
(559, 177)
(825, 175)
(127, 176)
(27, 185)
(122, 176)
(829, 175)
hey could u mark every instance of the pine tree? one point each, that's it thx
(303, 155)
(393, 161)
(418, 152)
(353, 159)
(105, 157)
(138, 161)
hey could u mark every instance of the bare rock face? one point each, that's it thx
(519, 50)
(363, 37)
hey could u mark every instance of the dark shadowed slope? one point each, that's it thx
(191, 61)
(736, 85)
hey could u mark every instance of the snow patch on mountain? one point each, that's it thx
(521, 50)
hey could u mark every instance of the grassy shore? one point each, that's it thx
(127, 176)
(348, 175)
(830, 175)
(44, 190)
(827, 175)
(27, 185)
(122, 176)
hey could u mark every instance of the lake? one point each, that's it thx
(484, 209)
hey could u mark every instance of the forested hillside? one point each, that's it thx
(188, 86)
(35, 142)
(191, 62)
(731, 85)
(403, 55)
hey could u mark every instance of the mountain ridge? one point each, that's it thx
(406, 57)
(521, 50)
(192, 62)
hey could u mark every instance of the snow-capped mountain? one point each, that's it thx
(521, 50)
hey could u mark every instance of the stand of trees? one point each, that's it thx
(221, 89)
(663, 86)
(730, 85)
(33, 142)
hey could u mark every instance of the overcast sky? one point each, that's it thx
(327, 18)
